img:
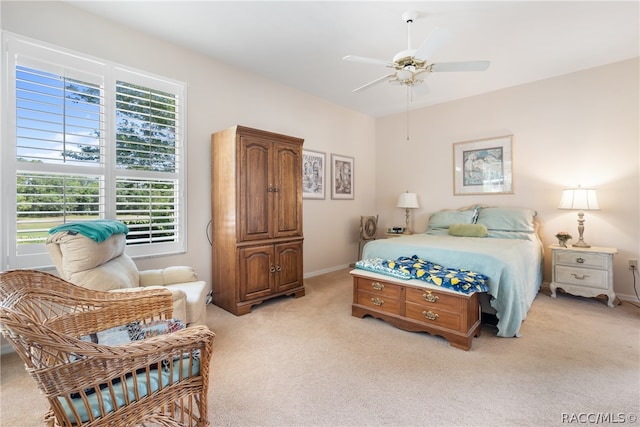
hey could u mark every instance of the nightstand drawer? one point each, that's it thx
(591, 278)
(581, 259)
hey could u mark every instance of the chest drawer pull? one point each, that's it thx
(377, 286)
(429, 297)
(430, 315)
(377, 301)
(580, 260)
(584, 276)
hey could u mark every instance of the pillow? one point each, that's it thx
(445, 218)
(468, 230)
(80, 253)
(507, 219)
(118, 273)
(437, 231)
(134, 331)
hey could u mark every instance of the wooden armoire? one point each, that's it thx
(256, 208)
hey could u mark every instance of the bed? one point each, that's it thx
(501, 243)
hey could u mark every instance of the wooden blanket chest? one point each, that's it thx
(414, 305)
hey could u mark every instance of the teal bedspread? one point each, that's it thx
(513, 266)
(98, 230)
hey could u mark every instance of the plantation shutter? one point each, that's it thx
(147, 160)
(58, 150)
(92, 140)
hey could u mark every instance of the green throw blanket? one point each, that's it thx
(98, 230)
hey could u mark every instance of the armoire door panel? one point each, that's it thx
(289, 265)
(288, 170)
(257, 269)
(255, 189)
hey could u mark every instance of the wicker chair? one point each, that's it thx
(161, 380)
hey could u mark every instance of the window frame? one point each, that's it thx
(16, 50)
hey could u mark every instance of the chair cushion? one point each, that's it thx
(168, 276)
(128, 388)
(134, 331)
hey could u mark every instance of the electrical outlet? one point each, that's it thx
(633, 264)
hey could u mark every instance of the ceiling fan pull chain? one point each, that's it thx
(408, 95)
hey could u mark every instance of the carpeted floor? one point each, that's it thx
(308, 362)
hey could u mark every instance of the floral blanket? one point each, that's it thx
(459, 280)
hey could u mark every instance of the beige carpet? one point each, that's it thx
(308, 362)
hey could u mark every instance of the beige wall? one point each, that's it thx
(218, 97)
(578, 129)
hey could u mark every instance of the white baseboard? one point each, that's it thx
(325, 271)
(630, 298)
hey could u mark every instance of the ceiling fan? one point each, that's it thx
(410, 65)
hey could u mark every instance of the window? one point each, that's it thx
(87, 139)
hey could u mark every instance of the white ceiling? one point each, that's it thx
(301, 43)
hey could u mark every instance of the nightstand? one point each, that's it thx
(390, 235)
(586, 272)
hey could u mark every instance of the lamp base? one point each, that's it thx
(407, 230)
(581, 244)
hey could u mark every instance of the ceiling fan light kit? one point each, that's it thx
(411, 65)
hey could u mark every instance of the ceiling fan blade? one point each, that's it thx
(461, 66)
(375, 82)
(433, 42)
(367, 60)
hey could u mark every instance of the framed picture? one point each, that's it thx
(484, 166)
(313, 175)
(341, 177)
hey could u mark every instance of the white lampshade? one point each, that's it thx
(420, 76)
(404, 74)
(408, 201)
(583, 199)
(580, 199)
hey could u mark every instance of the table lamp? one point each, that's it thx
(407, 201)
(581, 199)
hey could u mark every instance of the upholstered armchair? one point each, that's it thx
(160, 380)
(104, 266)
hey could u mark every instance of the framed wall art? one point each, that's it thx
(342, 175)
(483, 166)
(313, 174)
